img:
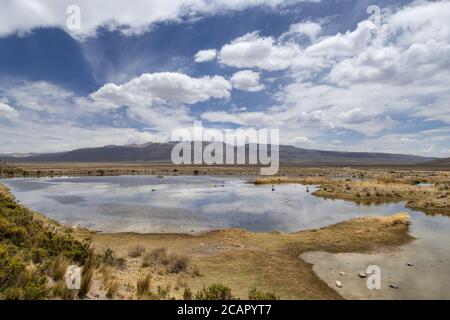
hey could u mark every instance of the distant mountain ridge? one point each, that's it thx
(161, 153)
(439, 163)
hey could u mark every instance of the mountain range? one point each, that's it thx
(161, 153)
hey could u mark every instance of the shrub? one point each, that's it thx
(136, 251)
(108, 258)
(10, 267)
(178, 263)
(21, 283)
(187, 294)
(38, 255)
(154, 257)
(175, 263)
(215, 291)
(163, 292)
(254, 294)
(22, 238)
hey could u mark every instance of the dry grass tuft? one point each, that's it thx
(58, 267)
(143, 285)
(399, 218)
(136, 251)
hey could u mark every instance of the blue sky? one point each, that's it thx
(326, 73)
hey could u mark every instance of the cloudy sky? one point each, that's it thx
(328, 73)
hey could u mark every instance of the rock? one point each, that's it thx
(338, 284)
(393, 286)
(409, 264)
(362, 274)
(342, 273)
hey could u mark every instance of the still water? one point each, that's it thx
(183, 204)
(198, 203)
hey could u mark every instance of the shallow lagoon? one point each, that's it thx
(184, 203)
(200, 203)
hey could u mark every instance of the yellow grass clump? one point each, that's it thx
(399, 218)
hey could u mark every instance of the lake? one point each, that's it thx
(193, 204)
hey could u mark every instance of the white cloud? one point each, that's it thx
(159, 99)
(6, 111)
(299, 141)
(241, 118)
(205, 55)
(355, 116)
(308, 28)
(132, 17)
(254, 51)
(40, 137)
(40, 96)
(166, 86)
(247, 80)
(367, 80)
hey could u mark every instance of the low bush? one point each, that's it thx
(254, 294)
(29, 251)
(136, 251)
(187, 294)
(215, 291)
(155, 257)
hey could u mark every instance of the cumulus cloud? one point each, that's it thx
(164, 86)
(254, 51)
(131, 18)
(247, 80)
(355, 89)
(160, 99)
(205, 55)
(355, 116)
(396, 75)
